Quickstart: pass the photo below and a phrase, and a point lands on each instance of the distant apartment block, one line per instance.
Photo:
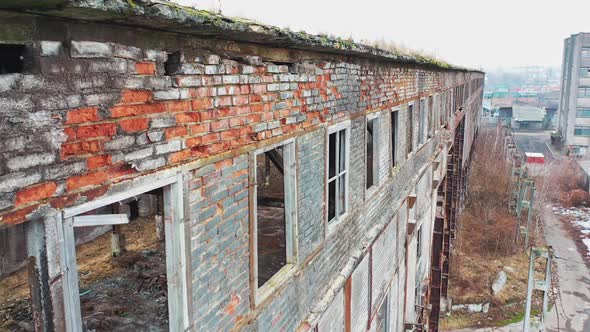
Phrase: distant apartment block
(574, 106)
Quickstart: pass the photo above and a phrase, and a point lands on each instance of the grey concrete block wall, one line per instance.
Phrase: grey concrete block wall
(202, 120)
(220, 243)
(357, 162)
(310, 191)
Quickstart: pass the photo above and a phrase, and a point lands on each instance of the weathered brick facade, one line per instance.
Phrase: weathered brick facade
(103, 105)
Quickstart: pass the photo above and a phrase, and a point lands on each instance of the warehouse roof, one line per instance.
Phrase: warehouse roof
(164, 15)
(528, 113)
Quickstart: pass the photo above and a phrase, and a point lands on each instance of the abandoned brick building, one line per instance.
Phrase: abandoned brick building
(164, 168)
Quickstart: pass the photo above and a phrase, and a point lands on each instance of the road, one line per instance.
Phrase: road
(572, 310)
(534, 141)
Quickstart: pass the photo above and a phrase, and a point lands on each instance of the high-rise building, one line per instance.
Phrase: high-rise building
(574, 105)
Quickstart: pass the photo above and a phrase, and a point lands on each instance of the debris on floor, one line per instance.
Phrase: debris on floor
(126, 293)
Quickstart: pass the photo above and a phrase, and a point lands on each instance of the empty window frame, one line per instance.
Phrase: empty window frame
(422, 122)
(338, 144)
(372, 151)
(430, 123)
(12, 58)
(581, 131)
(176, 248)
(583, 112)
(419, 243)
(584, 72)
(394, 137)
(410, 129)
(274, 214)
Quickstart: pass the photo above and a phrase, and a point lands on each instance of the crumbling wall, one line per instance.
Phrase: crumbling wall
(103, 104)
(90, 113)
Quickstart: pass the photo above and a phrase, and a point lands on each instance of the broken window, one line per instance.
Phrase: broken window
(394, 138)
(372, 156)
(275, 199)
(338, 171)
(410, 129)
(125, 267)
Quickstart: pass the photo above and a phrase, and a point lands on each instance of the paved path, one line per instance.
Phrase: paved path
(572, 312)
(534, 141)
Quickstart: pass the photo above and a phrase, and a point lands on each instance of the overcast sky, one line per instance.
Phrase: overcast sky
(490, 34)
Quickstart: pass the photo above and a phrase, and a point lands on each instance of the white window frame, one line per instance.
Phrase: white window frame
(177, 270)
(344, 125)
(376, 152)
(422, 122)
(394, 154)
(411, 125)
(290, 184)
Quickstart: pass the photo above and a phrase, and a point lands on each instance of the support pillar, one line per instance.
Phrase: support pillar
(41, 304)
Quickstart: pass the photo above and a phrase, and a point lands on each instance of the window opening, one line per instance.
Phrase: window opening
(11, 58)
(122, 267)
(337, 174)
(372, 159)
(270, 205)
(419, 243)
(121, 271)
(394, 138)
(410, 128)
(421, 120)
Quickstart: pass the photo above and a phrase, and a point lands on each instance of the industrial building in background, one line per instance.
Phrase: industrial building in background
(574, 105)
(165, 168)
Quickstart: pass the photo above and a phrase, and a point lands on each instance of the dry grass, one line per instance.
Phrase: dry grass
(564, 184)
(486, 244)
(95, 261)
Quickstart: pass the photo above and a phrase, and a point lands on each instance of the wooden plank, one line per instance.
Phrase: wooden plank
(157, 182)
(100, 220)
(290, 183)
(175, 256)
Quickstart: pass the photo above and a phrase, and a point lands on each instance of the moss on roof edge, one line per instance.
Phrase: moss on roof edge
(172, 17)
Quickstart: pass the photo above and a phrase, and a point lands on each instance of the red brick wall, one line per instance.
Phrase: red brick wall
(100, 113)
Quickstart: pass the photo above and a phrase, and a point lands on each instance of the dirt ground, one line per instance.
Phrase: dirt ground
(126, 293)
(474, 286)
